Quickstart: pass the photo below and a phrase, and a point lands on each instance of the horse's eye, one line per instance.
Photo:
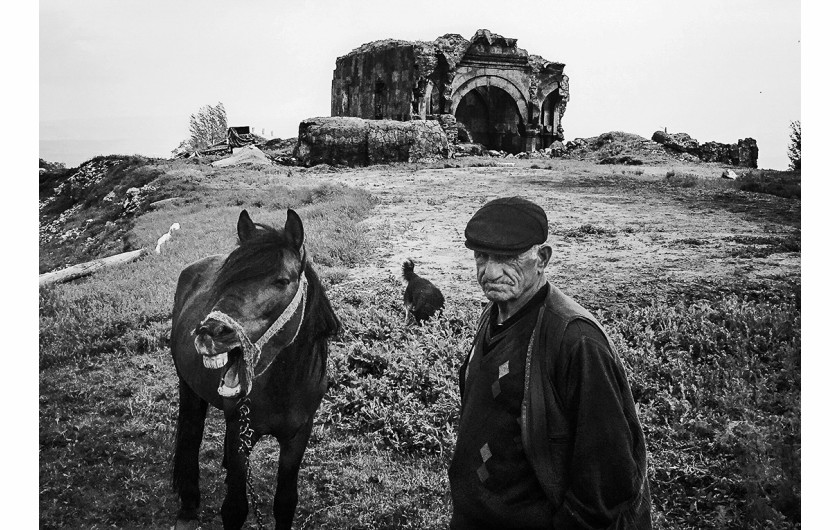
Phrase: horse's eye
(282, 282)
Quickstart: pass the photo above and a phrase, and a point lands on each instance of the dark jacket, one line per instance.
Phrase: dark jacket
(580, 431)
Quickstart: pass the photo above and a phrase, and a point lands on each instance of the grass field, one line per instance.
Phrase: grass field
(696, 280)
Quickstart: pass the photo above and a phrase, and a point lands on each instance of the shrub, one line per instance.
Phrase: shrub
(681, 180)
(208, 126)
(718, 390)
(795, 146)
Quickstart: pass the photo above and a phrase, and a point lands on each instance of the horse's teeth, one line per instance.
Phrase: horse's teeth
(228, 392)
(216, 361)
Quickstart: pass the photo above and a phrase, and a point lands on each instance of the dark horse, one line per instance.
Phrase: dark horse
(249, 336)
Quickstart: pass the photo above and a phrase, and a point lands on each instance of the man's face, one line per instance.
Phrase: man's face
(505, 278)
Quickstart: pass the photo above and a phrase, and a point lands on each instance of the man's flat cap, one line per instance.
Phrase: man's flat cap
(509, 225)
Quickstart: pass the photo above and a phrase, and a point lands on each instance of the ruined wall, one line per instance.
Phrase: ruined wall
(405, 80)
(357, 142)
(448, 124)
(741, 154)
(375, 81)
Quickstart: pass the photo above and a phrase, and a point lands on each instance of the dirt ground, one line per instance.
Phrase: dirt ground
(621, 225)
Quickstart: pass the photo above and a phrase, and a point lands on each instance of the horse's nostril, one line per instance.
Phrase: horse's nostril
(213, 328)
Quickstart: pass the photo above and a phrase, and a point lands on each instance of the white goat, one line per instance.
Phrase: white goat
(166, 237)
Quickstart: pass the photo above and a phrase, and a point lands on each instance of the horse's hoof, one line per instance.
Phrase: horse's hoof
(181, 524)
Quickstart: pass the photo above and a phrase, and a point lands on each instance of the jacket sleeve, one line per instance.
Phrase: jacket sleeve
(606, 460)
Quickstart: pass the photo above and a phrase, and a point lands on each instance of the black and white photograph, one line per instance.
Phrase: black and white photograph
(422, 265)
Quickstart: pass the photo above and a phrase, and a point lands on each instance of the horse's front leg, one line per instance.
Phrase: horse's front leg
(192, 410)
(235, 462)
(286, 495)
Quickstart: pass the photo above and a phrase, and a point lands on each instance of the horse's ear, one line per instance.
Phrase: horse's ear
(294, 229)
(245, 227)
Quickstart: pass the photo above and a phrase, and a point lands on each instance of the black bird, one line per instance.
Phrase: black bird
(421, 298)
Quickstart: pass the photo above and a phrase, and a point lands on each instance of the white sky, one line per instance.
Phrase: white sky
(123, 77)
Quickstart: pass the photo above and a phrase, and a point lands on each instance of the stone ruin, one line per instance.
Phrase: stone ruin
(400, 101)
(484, 90)
(504, 97)
(358, 142)
(741, 154)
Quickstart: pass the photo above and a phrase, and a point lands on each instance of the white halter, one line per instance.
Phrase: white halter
(298, 300)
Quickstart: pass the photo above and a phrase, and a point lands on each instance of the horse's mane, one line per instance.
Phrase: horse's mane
(260, 256)
(323, 321)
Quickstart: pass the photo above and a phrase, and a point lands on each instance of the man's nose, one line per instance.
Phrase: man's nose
(493, 270)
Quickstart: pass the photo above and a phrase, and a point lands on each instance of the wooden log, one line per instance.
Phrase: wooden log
(163, 202)
(85, 269)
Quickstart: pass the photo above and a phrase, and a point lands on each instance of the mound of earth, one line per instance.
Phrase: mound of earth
(613, 147)
(618, 147)
(87, 212)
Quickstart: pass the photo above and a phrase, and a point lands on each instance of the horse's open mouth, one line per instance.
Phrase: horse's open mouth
(233, 373)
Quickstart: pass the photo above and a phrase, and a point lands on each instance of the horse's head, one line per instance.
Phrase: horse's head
(258, 298)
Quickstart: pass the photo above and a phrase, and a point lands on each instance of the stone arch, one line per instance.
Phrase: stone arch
(490, 116)
(491, 80)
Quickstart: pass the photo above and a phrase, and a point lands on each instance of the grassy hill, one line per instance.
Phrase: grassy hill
(696, 279)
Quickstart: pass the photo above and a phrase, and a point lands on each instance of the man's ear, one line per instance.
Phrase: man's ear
(544, 256)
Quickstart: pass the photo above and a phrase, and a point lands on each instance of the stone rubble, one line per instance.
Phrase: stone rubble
(744, 153)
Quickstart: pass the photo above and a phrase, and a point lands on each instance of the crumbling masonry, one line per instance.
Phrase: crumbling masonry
(484, 90)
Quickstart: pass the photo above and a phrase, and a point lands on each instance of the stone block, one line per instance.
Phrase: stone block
(358, 142)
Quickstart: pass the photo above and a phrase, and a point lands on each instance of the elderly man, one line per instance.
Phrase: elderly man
(549, 436)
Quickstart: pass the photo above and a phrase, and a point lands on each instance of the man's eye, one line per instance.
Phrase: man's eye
(282, 282)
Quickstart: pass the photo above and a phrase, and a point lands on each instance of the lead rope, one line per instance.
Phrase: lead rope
(246, 433)
(246, 443)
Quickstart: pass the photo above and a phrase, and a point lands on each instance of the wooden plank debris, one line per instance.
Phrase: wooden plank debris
(85, 269)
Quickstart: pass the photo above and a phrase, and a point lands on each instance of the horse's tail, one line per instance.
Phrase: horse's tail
(408, 269)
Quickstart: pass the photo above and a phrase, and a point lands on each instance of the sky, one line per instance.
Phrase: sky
(124, 77)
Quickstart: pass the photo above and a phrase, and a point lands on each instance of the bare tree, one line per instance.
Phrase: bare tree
(795, 147)
(208, 126)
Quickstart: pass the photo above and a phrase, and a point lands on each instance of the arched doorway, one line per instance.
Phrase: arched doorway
(492, 117)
